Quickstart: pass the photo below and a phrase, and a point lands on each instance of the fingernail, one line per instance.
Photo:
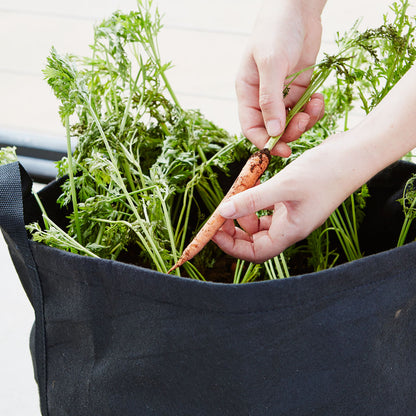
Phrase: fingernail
(302, 124)
(274, 127)
(227, 209)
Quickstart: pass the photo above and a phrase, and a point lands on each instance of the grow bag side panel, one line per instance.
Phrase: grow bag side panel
(384, 213)
(126, 340)
(15, 196)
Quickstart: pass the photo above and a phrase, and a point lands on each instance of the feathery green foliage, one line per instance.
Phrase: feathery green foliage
(146, 172)
(8, 155)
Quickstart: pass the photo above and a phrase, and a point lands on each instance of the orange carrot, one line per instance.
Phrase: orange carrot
(249, 175)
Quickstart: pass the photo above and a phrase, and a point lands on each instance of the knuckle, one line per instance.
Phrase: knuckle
(266, 100)
(264, 55)
(299, 233)
(239, 86)
(250, 203)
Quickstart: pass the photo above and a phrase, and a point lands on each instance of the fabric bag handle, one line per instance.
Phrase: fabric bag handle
(15, 187)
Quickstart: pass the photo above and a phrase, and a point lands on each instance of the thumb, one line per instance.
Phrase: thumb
(252, 200)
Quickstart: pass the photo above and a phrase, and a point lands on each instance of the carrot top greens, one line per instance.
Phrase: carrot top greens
(146, 173)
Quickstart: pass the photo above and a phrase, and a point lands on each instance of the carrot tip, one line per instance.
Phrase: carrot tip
(172, 268)
(251, 172)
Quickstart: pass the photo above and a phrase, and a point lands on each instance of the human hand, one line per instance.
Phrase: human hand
(302, 196)
(305, 192)
(285, 40)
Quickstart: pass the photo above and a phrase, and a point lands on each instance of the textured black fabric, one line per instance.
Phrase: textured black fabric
(123, 340)
(15, 195)
(381, 228)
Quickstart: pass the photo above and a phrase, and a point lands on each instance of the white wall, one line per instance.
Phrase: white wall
(204, 40)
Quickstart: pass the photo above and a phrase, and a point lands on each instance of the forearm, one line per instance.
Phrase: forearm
(316, 6)
(306, 8)
(381, 138)
(389, 131)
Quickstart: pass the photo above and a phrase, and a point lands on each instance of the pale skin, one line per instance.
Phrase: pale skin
(304, 194)
(274, 52)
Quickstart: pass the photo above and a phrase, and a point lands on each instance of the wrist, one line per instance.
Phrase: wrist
(387, 133)
(381, 138)
(349, 161)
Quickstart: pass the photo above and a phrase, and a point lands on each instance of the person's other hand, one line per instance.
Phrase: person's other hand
(301, 196)
(285, 40)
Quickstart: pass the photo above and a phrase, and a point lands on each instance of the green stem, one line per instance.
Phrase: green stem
(409, 217)
(315, 84)
(154, 54)
(127, 109)
(113, 161)
(71, 180)
(193, 272)
(214, 183)
(42, 208)
(187, 213)
(238, 271)
(270, 270)
(345, 238)
(249, 274)
(145, 238)
(130, 180)
(156, 251)
(284, 264)
(279, 268)
(69, 240)
(168, 224)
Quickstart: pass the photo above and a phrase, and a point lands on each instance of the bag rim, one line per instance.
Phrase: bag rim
(360, 275)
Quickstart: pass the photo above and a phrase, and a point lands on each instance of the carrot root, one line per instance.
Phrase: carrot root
(249, 175)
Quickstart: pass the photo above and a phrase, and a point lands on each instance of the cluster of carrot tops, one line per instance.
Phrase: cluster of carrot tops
(147, 174)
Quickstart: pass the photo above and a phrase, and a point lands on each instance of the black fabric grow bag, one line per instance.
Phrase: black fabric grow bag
(114, 339)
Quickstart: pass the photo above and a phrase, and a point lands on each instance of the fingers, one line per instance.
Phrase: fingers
(238, 243)
(303, 121)
(252, 224)
(260, 99)
(255, 199)
(297, 126)
(245, 249)
(257, 110)
(274, 235)
(315, 108)
(230, 229)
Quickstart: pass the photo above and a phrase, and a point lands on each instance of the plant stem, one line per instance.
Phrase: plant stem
(346, 233)
(316, 82)
(219, 194)
(42, 208)
(71, 180)
(168, 225)
(408, 219)
(70, 241)
(249, 274)
(284, 264)
(238, 270)
(127, 109)
(193, 272)
(270, 270)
